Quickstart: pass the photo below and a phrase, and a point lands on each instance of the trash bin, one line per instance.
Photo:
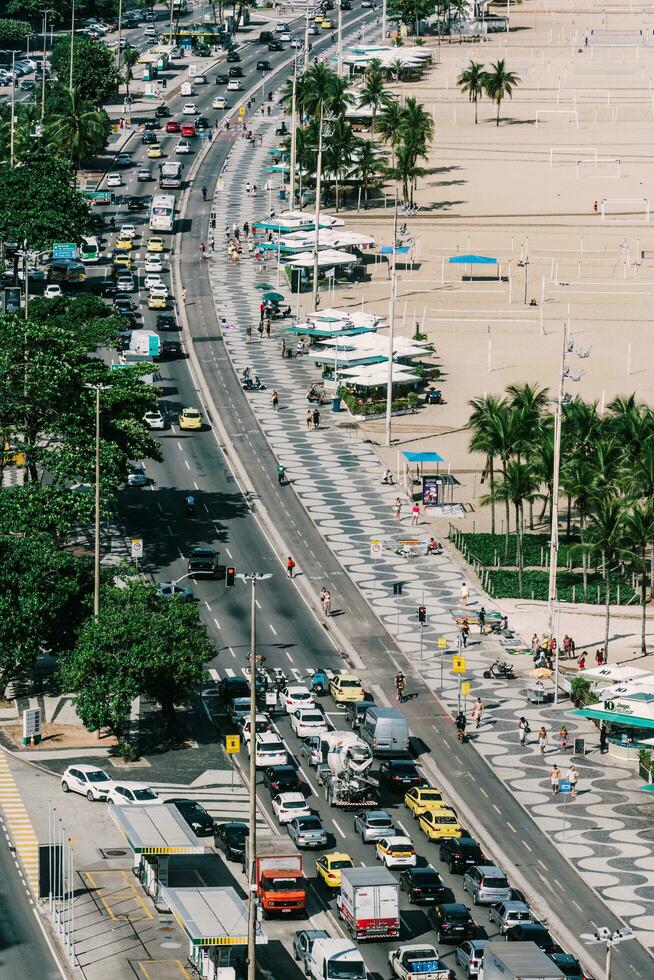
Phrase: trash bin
(336, 404)
(282, 195)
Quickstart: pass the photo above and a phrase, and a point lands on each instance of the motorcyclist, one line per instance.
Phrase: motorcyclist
(204, 193)
(189, 503)
(460, 722)
(281, 474)
(400, 684)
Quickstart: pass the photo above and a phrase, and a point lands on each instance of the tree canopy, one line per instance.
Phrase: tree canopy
(51, 210)
(95, 76)
(14, 31)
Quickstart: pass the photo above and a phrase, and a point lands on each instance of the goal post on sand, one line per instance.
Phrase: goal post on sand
(601, 164)
(573, 115)
(634, 210)
(567, 151)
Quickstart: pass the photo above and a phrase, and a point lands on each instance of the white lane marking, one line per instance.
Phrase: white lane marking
(228, 553)
(542, 865)
(510, 825)
(187, 465)
(527, 846)
(288, 655)
(207, 605)
(50, 946)
(274, 631)
(195, 486)
(230, 672)
(179, 446)
(297, 675)
(218, 626)
(215, 676)
(338, 828)
(496, 808)
(402, 827)
(307, 780)
(256, 602)
(232, 652)
(482, 790)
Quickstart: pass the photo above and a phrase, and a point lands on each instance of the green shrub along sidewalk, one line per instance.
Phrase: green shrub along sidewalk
(499, 575)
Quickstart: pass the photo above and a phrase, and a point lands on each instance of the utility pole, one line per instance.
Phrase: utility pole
(170, 39)
(384, 22)
(293, 134)
(120, 31)
(554, 530)
(339, 43)
(306, 40)
(45, 31)
(26, 279)
(13, 110)
(72, 47)
(97, 388)
(391, 330)
(314, 301)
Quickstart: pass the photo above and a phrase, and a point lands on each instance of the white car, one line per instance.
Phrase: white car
(285, 36)
(89, 781)
(154, 279)
(151, 32)
(269, 750)
(297, 42)
(183, 146)
(159, 291)
(396, 852)
(153, 263)
(132, 794)
(309, 721)
(127, 231)
(296, 696)
(53, 291)
(220, 102)
(261, 725)
(233, 85)
(288, 806)
(114, 180)
(137, 476)
(281, 26)
(154, 420)
(190, 109)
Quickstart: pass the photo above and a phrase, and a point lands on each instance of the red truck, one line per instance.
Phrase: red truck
(281, 885)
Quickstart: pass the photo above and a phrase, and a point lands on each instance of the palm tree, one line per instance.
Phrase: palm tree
(483, 439)
(78, 130)
(388, 125)
(578, 482)
(542, 456)
(472, 80)
(406, 170)
(605, 535)
(131, 57)
(639, 533)
(499, 83)
(368, 165)
(416, 133)
(373, 93)
(396, 67)
(519, 483)
(340, 150)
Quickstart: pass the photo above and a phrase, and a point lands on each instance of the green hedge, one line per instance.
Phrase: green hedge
(483, 547)
(504, 584)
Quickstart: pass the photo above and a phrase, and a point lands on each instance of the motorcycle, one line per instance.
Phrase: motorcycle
(279, 678)
(500, 670)
(253, 384)
(189, 506)
(319, 682)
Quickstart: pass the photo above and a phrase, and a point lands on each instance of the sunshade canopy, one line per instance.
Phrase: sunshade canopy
(471, 260)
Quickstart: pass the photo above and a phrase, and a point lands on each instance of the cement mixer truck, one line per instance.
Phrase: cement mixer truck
(345, 760)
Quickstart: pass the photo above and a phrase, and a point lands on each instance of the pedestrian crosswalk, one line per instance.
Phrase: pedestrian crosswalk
(18, 825)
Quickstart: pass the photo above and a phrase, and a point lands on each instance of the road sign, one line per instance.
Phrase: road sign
(31, 725)
(64, 250)
(241, 110)
(375, 548)
(458, 665)
(565, 786)
(441, 643)
(232, 744)
(137, 547)
(465, 688)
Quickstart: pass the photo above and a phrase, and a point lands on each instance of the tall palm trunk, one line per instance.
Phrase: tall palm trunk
(317, 221)
(584, 556)
(607, 607)
(518, 547)
(643, 600)
(491, 473)
(507, 513)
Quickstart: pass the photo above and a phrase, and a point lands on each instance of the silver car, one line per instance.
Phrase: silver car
(486, 884)
(307, 832)
(507, 914)
(470, 955)
(373, 825)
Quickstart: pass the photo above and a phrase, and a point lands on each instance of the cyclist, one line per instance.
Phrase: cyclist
(189, 503)
(204, 193)
(281, 474)
(460, 722)
(400, 684)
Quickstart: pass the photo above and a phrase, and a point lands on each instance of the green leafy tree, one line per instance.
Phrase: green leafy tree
(44, 595)
(519, 483)
(43, 509)
(33, 10)
(373, 94)
(368, 167)
(77, 130)
(605, 539)
(472, 80)
(340, 151)
(484, 427)
(639, 534)
(13, 32)
(387, 125)
(499, 83)
(416, 134)
(411, 12)
(131, 56)
(95, 76)
(51, 210)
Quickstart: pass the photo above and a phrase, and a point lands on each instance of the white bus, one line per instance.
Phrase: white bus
(89, 249)
(162, 212)
(170, 174)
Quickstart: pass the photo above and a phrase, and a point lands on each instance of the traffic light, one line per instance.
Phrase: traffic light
(230, 575)
(422, 614)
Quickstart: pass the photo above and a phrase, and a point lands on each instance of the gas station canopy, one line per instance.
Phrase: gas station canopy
(159, 829)
(211, 916)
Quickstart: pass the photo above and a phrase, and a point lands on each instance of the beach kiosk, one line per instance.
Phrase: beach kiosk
(215, 921)
(155, 834)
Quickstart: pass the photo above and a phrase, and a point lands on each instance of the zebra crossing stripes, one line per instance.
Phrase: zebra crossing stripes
(19, 826)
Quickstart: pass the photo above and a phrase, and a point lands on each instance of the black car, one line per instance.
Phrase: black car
(162, 112)
(460, 854)
(346, 5)
(230, 837)
(167, 321)
(236, 72)
(263, 66)
(275, 45)
(281, 779)
(234, 687)
(233, 55)
(265, 37)
(424, 886)
(532, 932)
(452, 922)
(172, 349)
(202, 561)
(122, 304)
(102, 288)
(355, 712)
(222, 79)
(152, 124)
(568, 965)
(149, 138)
(123, 160)
(400, 775)
(201, 123)
(135, 203)
(200, 822)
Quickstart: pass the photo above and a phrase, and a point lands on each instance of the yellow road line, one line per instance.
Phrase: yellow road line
(19, 824)
(87, 874)
(138, 898)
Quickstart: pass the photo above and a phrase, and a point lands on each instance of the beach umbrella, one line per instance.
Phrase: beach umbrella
(264, 285)
(539, 672)
(273, 297)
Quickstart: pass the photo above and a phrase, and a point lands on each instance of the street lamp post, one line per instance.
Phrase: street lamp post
(293, 134)
(306, 40)
(606, 937)
(314, 301)
(120, 31)
(383, 21)
(253, 578)
(339, 42)
(391, 331)
(525, 265)
(97, 388)
(13, 110)
(72, 47)
(45, 32)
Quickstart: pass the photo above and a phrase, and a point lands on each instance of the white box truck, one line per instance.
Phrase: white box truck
(517, 961)
(335, 959)
(369, 903)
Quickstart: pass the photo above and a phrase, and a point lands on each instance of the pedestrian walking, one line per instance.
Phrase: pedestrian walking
(542, 739)
(563, 738)
(262, 310)
(316, 418)
(212, 243)
(478, 712)
(290, 565)
(397, 508)
(260, 330)
(465, 632)
(555, 779)
(282, 347)
(246, 227)
(248, 333)
(323, 594)
(603, 739)
(328, 603)
(268, 328)
(572, 777)
(523, 731)
(482, 620)
(595, 207)
(415, 514)
(465, 595)
(309, 418)
(535, 644)
(184, 295)
(581, 663)
(274, 397)
(247, 187)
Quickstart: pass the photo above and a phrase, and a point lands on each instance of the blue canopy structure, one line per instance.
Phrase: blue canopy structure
(471, 260)
(399, 250)
(423, 457)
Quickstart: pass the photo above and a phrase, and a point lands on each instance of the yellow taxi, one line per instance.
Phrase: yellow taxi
(122, 261)
(157, 302)
(190, 418)
(436, 824)
(154, 151)
(124, 244)
(420, 799)
(155, 244)
(330, 868)
(327, 24)
(12, 456)
(396, 852)
(318, 18)
(346, 687)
